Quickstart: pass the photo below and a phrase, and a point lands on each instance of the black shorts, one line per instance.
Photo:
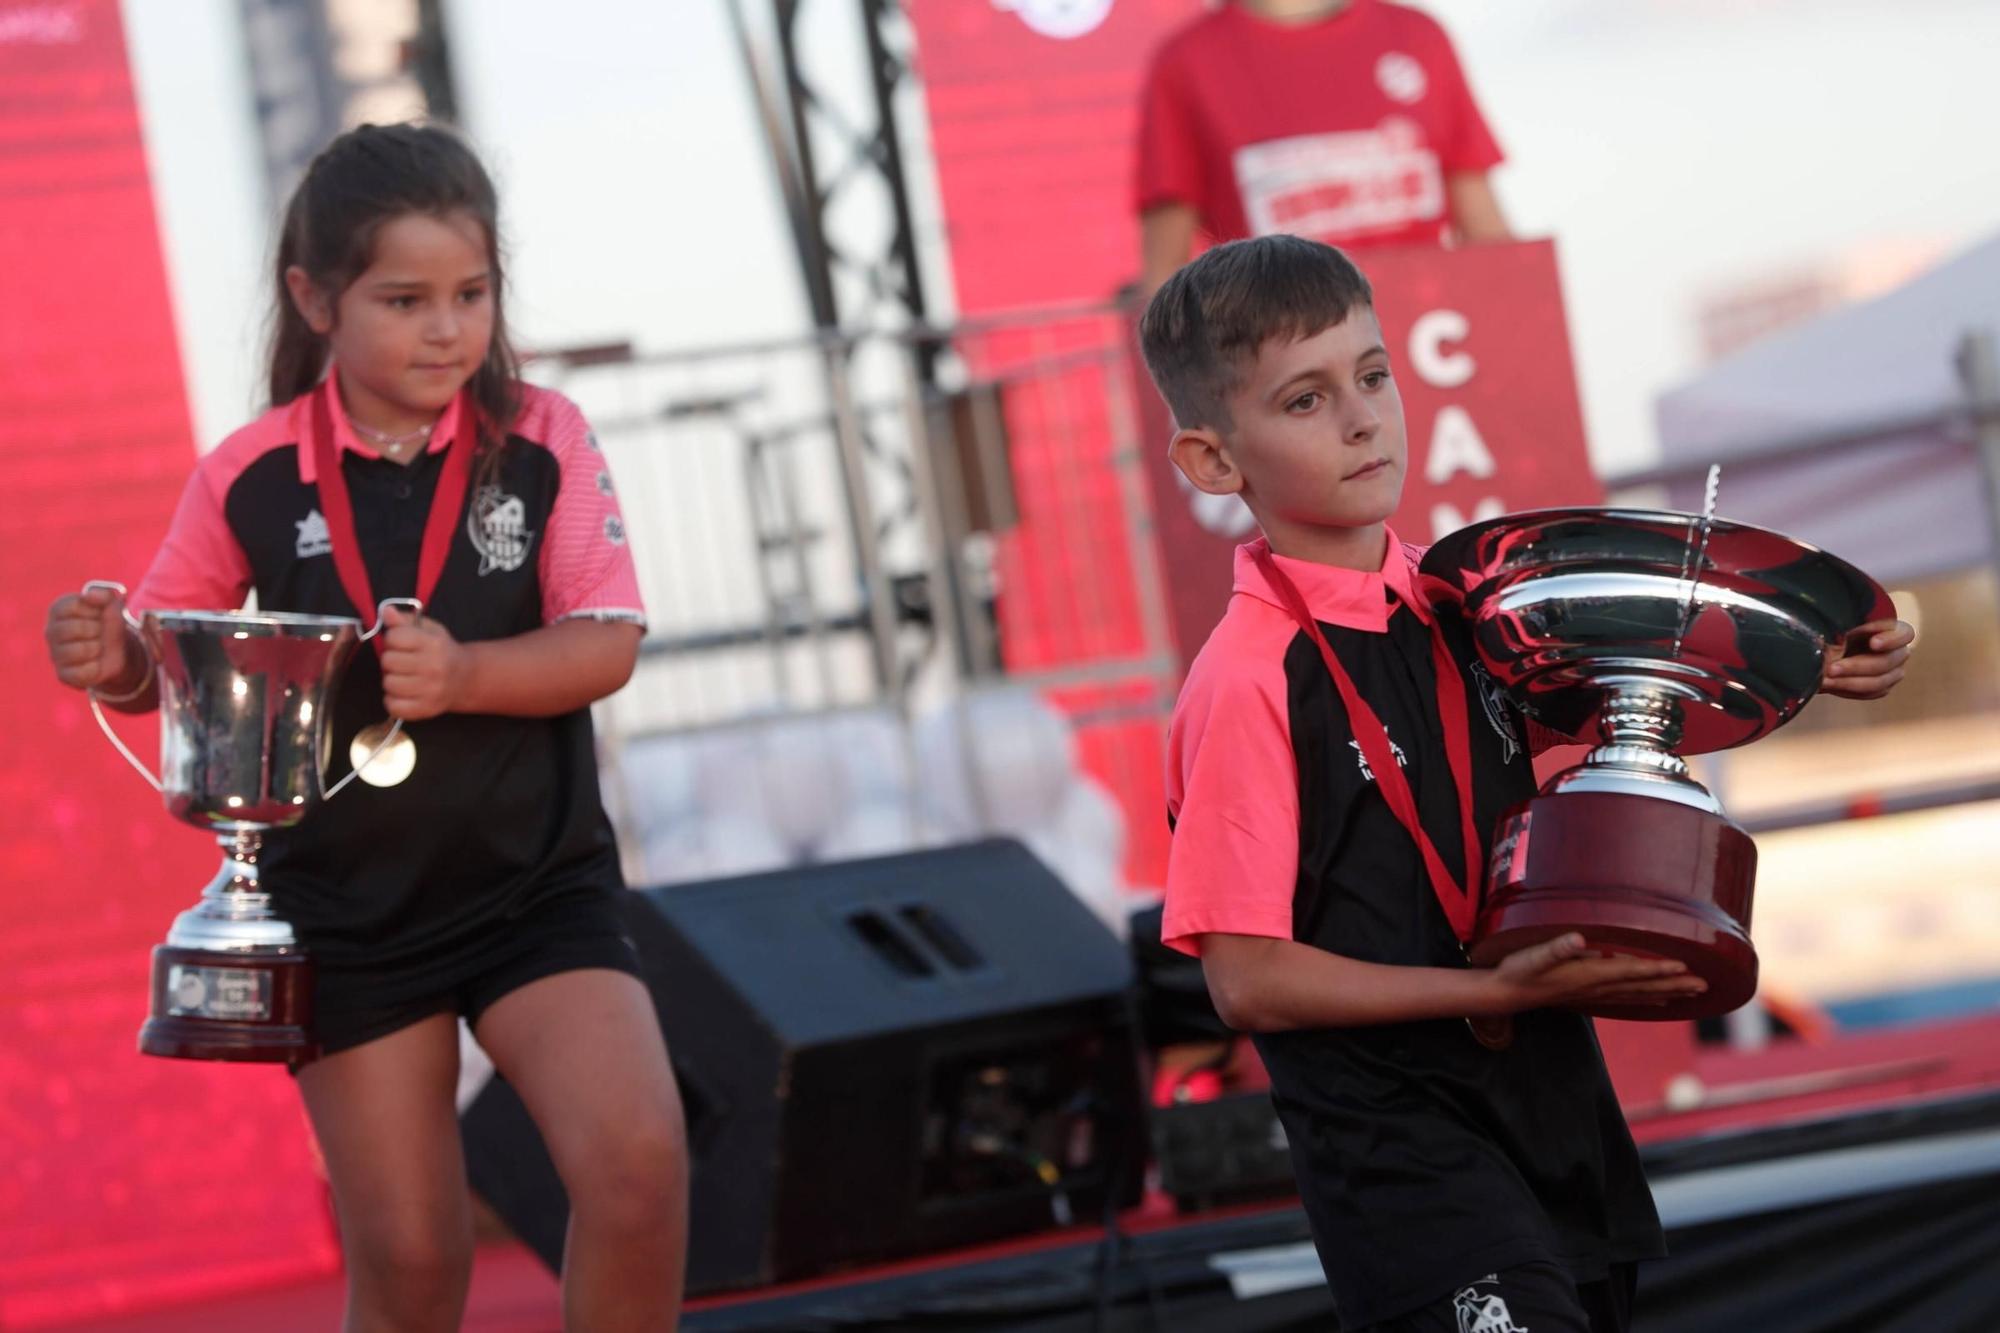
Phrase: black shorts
(345, 1016)
(1540, 1297)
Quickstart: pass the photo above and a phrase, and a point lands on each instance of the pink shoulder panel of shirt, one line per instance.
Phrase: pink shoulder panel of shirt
(200, 566)
(586, 558)
(1232, 784)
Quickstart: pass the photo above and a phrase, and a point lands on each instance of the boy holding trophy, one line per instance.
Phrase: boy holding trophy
(1337, 761)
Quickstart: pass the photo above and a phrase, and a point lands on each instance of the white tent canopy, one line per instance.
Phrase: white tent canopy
(1854, 432)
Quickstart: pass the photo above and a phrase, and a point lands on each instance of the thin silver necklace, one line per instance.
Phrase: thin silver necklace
(389, 443)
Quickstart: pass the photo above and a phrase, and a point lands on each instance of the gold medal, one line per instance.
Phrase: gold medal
(380, 759)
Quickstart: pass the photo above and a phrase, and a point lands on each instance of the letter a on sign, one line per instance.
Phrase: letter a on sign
(1455, 448)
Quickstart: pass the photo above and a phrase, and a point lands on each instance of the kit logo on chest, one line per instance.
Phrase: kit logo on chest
(1367, 773)
(497, 524)
(314, 539)
(1478, 1312)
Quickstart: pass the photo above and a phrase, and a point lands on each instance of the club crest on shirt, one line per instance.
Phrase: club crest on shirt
(1061, 19)
(1483, 1314)
(1499, 712)
(498, 526)
(1367, 773)
(1401, 78)
(314, 539)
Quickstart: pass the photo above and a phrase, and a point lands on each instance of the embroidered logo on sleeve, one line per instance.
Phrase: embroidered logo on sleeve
(498, 527)
(1484, 1314)
(314, 539)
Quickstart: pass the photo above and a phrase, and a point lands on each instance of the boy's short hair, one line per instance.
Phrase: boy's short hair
(1212, 316)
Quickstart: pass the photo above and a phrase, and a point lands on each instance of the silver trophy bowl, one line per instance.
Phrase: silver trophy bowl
(1653, 633)
(244, 702)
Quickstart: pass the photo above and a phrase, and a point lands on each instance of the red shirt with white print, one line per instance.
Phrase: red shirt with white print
(1342, 130)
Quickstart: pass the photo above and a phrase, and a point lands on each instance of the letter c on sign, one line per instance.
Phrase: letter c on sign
(1435, 364)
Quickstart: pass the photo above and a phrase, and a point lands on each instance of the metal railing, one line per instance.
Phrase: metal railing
(888, 523)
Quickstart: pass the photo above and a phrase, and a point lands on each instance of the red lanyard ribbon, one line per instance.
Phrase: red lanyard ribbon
(338, 506)
(1459, 901)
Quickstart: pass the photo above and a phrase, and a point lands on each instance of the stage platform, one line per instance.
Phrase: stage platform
(1896, 1200)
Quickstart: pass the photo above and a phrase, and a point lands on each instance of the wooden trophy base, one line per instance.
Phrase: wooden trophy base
(1636, 876)
(217, 1004)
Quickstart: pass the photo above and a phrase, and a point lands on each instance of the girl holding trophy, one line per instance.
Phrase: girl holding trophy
(472, 872)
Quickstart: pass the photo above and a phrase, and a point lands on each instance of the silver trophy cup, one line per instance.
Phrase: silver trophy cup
(244, 739)
(1654, 634)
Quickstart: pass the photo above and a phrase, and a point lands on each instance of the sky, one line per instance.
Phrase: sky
(1671, 147)
(1675, 146)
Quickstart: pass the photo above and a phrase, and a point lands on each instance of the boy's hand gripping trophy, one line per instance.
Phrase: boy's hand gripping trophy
(1658, 634)
(244, 703)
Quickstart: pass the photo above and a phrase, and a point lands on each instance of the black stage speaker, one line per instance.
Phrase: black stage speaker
(879, 1058)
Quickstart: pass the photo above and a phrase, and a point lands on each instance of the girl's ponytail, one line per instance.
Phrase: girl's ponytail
(298, 355)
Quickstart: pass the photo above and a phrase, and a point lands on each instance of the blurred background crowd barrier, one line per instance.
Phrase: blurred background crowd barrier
(901, 592)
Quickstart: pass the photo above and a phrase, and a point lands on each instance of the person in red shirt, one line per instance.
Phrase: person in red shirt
(1343, 121)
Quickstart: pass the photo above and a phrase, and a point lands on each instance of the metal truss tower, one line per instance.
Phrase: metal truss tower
(842, 165)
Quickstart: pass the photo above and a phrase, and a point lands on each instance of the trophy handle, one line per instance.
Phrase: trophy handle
(97, 710)
(415, 607)
(115, 586)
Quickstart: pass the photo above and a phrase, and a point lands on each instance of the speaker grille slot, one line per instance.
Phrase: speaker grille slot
(938, 932)
(888, 945)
